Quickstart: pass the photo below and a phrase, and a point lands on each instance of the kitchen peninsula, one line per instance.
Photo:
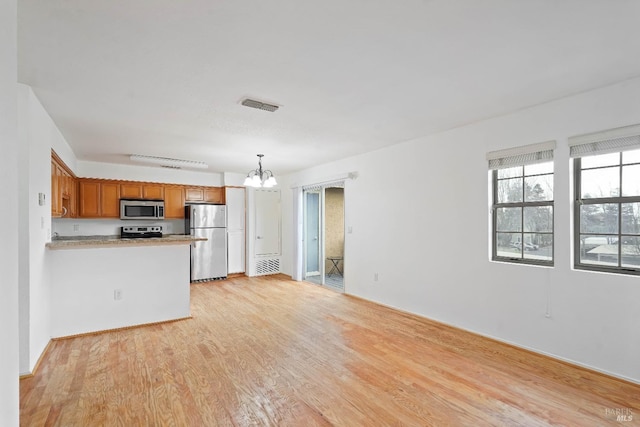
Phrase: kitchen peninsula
(104, 282)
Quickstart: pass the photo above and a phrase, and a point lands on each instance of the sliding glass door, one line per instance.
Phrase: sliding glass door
(324, 235)
(312, 234)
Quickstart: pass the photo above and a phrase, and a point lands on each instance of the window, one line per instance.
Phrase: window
(608, 212)
(607, 200)
(522, 206)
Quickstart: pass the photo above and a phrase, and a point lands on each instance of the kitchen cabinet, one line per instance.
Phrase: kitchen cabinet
(194, 194)
(56, 205)
(99, 199)
(140, 190)
(235, 251)
(236, 242)
(214, 195)
(110, 200)
(70, 198)
(204, 194)
(89, 198)
(131, 190)
(63, 192)
(173, 201)
(153, 191)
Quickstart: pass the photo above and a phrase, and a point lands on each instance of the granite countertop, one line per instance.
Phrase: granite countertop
(78, 242)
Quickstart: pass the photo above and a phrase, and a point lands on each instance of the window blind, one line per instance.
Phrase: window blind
(608, 141)
(523, 155)
(320, 186)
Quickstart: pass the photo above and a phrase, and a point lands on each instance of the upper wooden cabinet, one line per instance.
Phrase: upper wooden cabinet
(99, 199)
(140, 190)
(63, 189)
(205, 194)
(174, 201)
(89, 198)
(153, 191)
(194, 194)
(56, 205)
(131, 190)
(110, 200)
(214, 195)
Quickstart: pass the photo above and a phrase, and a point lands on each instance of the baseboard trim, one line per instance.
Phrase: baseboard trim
(124, 328)
(234, 275)
(551, 356)
(67, 337)
(37, 365)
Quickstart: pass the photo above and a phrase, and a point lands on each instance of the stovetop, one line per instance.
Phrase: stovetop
(136, 232)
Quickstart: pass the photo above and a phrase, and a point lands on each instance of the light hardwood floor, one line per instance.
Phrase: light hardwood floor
(270, 351)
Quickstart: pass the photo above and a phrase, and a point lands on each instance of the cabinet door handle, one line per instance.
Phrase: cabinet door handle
(258, 237)
(64, 211)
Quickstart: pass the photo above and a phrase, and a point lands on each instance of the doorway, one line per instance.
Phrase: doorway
(324, 235)
(312, 233)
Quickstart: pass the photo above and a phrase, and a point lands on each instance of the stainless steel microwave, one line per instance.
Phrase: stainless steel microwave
(141, 209)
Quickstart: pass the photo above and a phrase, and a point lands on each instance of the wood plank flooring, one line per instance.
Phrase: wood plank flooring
(270, 351)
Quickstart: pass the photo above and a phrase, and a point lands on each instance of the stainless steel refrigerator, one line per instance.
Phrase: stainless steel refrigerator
(208, 258)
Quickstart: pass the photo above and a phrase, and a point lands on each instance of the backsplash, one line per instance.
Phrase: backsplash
(109, 227)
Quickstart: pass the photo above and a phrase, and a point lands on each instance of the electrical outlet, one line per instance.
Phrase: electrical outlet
(349, 230)
(76, 227)
(375, 277)
(117, 294)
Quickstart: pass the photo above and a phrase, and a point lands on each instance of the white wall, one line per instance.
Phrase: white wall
(9, 355)
(234, 179)
(153, 280)
(429, 243)
(37, 135)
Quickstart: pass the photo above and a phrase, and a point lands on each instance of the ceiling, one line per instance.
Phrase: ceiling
(165, 78)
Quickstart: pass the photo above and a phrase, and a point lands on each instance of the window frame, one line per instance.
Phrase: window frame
(618, 200)
(523, 204)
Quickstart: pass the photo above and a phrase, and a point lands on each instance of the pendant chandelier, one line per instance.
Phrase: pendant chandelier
(259, 177)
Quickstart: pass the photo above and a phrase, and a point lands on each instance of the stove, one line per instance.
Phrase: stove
(133, 232)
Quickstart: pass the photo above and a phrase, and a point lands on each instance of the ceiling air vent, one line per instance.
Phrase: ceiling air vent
(259, 105)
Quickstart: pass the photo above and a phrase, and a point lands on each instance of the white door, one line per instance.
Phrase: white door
(267, 235)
